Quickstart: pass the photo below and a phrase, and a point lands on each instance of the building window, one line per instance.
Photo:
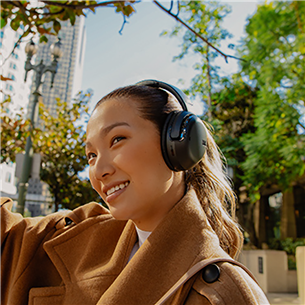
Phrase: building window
(12, 65)
(8, 177)
(12, 76)
(1, 34)
(9, 87)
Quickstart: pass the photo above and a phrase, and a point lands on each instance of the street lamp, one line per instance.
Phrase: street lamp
(40, 69)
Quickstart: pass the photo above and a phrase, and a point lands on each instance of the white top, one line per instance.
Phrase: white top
(142, 236)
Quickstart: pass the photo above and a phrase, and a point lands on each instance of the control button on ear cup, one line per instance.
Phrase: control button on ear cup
(177, 123)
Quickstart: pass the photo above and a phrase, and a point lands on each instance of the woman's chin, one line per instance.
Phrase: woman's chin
(118, 214)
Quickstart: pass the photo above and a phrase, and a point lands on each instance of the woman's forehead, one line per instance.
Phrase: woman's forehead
(113, 111)
(114, 107)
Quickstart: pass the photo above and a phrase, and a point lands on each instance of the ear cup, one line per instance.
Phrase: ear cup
(183, 140)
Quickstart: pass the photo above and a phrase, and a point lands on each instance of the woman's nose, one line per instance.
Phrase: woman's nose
(103, 168)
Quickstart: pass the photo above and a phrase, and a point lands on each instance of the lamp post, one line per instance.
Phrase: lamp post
(40, 69)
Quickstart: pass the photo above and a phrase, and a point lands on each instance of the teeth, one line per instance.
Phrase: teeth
(116, 188)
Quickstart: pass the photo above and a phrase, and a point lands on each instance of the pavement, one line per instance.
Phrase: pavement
(284, 298)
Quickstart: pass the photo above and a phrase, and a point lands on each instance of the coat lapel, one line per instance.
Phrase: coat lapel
(90, 256)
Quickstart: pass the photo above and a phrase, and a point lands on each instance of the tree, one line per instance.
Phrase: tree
(13, 132)
(205, 18)
(275, 61)
(61, 143)
(233, 116)
(44, 18)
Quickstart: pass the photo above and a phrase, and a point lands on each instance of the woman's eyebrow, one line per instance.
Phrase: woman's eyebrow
(107, 129)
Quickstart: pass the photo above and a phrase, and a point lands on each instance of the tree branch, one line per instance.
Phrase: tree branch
(15, 45)
(124, 22)
(196, 34)
(80, 6)
(21, 8)
(54, 13)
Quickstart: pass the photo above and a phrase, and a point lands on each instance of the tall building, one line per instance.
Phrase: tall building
(67, 83)
(12, 69)
(68, 78)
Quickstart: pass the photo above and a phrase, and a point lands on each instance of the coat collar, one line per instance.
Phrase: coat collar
(183, 238)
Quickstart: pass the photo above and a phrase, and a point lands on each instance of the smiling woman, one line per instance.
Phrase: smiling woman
(167, 237)
(127, 152)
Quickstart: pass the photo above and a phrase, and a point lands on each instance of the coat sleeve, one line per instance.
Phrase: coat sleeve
(234, 286)
(21, 241)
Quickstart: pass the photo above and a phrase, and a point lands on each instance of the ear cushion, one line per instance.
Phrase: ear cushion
(183, 140)
(164, 136)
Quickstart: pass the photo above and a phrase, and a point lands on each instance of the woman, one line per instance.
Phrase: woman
(168, 238)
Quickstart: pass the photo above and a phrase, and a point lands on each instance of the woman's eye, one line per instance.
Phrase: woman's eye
(116, 140)
(90, 156)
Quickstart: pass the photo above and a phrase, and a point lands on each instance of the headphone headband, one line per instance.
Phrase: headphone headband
(176, 92)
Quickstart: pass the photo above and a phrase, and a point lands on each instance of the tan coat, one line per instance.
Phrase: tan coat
(82, 258)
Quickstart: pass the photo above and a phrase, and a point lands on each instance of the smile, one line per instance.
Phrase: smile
(117, 188)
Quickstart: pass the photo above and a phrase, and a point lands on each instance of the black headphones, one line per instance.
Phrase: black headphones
(184, 136)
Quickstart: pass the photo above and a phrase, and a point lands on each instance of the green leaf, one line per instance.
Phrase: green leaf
(56, 26)
(43, 38)
(72, 16)
(3, 22)
(15, 23)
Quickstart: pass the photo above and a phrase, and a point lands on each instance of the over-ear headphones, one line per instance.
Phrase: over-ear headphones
(184, 136)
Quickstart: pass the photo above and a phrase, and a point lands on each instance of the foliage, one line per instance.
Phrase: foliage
(205, 18)
(62, 143)
(232, 112)
(288, 245)
(275, 61)
(13, 132)
(44, 19)
(74, 193)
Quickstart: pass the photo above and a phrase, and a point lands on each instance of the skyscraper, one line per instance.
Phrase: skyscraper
(70, 66)
(12, 67)
(15, 87)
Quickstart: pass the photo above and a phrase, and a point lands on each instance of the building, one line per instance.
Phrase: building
(12, 67)
(68, 78)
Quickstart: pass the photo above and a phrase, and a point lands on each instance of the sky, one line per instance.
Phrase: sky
(113, 60)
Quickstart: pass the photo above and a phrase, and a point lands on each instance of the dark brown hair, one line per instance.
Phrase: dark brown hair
(208, 177)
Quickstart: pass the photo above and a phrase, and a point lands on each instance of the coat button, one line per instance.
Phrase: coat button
(210, 273)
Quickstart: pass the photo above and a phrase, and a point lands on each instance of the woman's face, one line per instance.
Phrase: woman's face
(126, 165)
